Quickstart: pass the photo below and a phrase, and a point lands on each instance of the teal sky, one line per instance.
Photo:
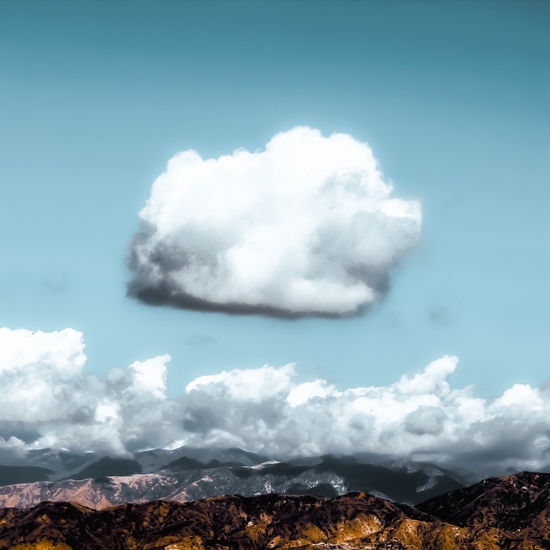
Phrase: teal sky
(452, 96)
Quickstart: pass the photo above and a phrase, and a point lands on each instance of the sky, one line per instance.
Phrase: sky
(440, 110)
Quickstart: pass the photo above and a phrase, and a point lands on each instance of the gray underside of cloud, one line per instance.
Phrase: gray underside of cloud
(163, 291)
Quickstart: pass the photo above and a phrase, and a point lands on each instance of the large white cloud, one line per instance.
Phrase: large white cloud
(63, 350)
(306, 226)
(34, 367)
(48, 400)
(419, 417)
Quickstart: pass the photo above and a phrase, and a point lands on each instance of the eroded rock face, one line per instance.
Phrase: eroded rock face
(354, 521)
(96, 493)
(518, 503)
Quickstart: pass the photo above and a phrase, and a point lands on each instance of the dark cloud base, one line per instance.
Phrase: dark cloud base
(164, 294)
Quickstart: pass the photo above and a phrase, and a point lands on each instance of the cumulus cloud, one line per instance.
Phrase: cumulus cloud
(49, 401)
(63, 351)
(419, 417)
(307, 226)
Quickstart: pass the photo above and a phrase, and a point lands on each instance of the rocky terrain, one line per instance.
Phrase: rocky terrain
(190, 474)
(173, 500)
(518, 503)
(354, 521)
(499, 513)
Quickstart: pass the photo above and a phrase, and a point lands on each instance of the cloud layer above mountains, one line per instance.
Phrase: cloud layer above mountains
(305, 227)
(48, 401)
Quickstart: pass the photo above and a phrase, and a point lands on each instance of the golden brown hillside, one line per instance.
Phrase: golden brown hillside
(270, 521)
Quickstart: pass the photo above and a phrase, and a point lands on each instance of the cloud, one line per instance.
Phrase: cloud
(150, 375)
(425, 420)
(255, 385)
(419, 417)
(49, 401)
(305, 227)
(62, 351)
(199, 339)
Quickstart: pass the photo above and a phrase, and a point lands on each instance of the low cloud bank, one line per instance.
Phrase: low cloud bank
(49, 401)
(305, 227)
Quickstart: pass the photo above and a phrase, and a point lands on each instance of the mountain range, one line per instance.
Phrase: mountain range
(188, 474)
(512, 512)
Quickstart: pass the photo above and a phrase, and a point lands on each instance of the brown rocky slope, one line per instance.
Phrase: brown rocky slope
(518, 503)
(353, 521)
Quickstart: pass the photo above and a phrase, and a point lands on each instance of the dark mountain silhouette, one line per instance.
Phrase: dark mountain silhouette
(108, 466)
(183, 473)
(108, 482)
(23, 474)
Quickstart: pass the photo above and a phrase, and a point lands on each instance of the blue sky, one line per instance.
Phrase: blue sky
(95, 97)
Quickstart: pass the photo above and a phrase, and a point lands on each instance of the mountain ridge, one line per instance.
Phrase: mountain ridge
(508, 513)
(328, 477)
